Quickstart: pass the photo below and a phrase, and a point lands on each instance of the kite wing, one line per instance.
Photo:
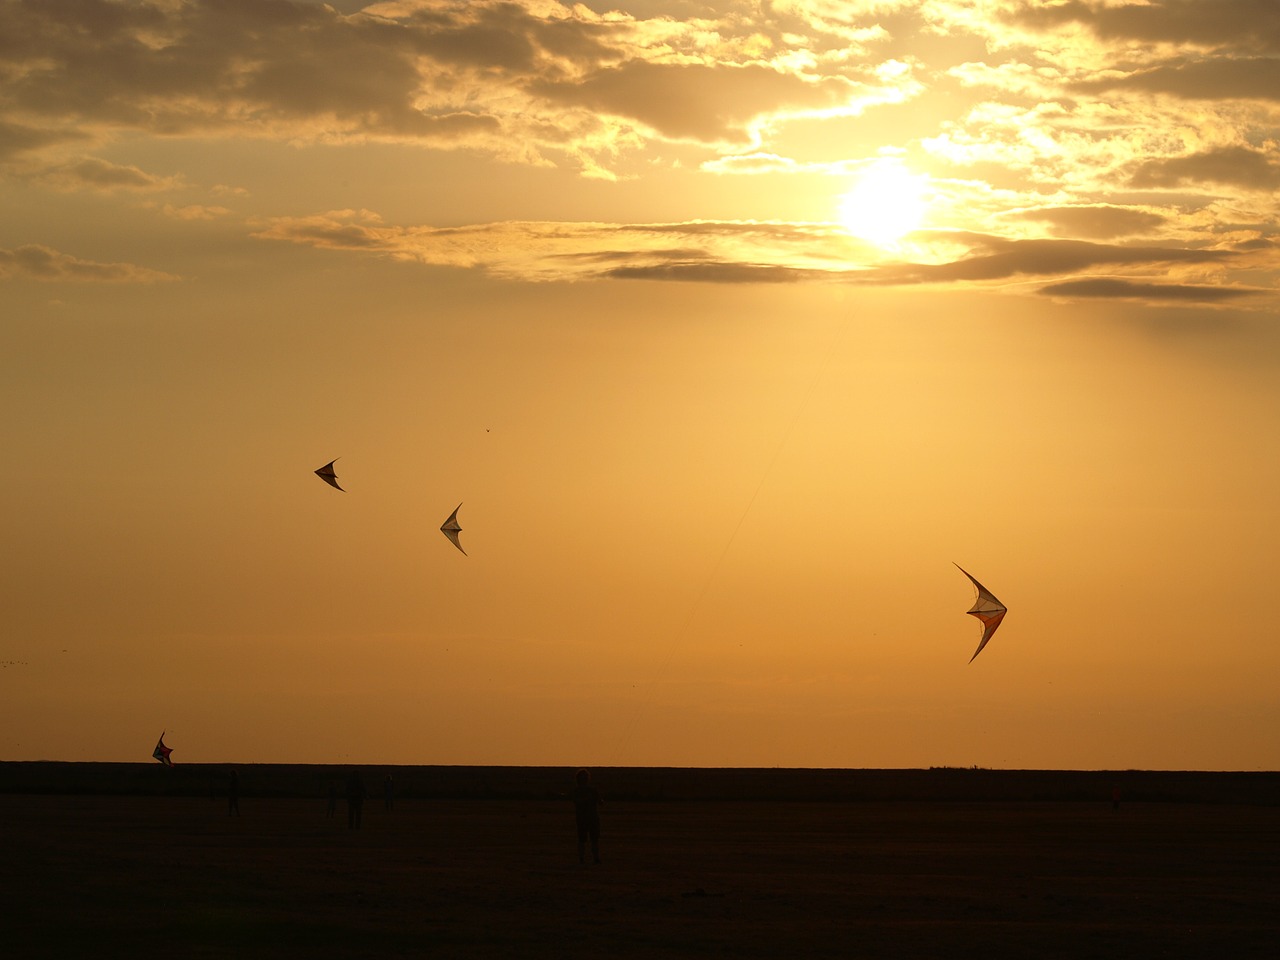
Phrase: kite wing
(987, 609)
(161, 752)
(451, 529)
(326, 474)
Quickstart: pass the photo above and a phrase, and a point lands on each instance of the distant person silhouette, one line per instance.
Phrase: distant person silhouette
(355, 800)
(233, 795)
(586, 810)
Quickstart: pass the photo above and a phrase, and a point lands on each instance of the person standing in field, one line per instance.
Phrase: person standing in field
(586, 809)
(355, 800)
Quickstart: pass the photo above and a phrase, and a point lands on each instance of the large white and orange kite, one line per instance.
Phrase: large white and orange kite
(987, 609)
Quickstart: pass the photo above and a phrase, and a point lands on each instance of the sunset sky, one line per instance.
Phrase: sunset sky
(732, 326)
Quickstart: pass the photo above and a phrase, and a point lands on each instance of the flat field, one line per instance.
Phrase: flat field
(149, 876)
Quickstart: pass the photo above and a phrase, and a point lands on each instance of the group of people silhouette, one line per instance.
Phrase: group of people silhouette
(585, 797)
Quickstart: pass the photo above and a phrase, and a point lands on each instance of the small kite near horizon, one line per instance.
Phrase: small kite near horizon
(161, 752)
(451, 529)
(326, 474)
(987, 609)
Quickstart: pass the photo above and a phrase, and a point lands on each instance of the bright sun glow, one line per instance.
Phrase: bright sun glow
(885, 205)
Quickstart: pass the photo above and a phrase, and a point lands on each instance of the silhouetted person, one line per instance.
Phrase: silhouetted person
(386, 792)
(586, 810)
(233, 795)
(355, 800)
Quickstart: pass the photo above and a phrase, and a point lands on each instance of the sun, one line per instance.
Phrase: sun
(885, 204)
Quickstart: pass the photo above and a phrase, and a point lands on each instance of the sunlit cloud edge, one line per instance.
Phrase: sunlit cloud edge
(789, 252)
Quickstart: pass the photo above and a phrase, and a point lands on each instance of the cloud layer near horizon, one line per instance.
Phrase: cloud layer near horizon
(732, 252)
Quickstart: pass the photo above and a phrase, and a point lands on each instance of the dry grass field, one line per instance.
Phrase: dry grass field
(92, 875)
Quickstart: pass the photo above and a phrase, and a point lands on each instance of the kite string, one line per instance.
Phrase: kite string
(660, 670)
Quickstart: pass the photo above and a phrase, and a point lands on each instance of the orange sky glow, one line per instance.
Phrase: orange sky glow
(733, 327)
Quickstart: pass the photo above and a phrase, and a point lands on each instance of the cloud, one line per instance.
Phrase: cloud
(777, 252)
(194, 211)
(750, 164)
(522, 79)
(1211, 79)
(279, 70)
(756, 163)
(544, 82)
(37, 262)
(556, 251)
(1063, 108)
(698, 272)
(701, 102)
(185, 67)
(1080, 94)
(91, 173)
(992, 259)
(1094, 221)
(1226, 25)
(1235, 166)
(1264, 244)
(17, 138)
(1112, 288)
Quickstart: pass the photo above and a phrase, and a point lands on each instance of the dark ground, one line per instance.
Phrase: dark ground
(94, 875)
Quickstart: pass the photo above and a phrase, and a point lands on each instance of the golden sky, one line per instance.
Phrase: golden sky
(732, 326)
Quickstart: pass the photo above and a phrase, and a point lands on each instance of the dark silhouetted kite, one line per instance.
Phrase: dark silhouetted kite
(451, 529)
(987, 609)
(326, 474)
(161, 752)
